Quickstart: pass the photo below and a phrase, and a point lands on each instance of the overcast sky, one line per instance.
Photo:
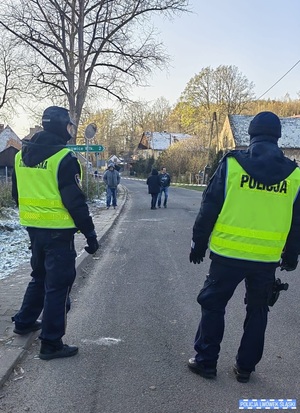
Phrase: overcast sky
(260, 37)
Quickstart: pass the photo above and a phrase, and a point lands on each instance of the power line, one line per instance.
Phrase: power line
(279, 80)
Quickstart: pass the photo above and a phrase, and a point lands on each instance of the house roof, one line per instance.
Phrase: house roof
(32, 131)
(290, 131)
(114, 159)
(161, 140)
(9, 138)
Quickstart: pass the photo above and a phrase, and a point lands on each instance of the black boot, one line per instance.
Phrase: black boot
(242, 376)
(56, 350)
(34, 327)
(208, 372)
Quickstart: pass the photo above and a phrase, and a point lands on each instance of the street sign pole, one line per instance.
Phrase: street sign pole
(90, 132)
(96, 176)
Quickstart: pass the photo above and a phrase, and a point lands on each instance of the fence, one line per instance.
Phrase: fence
(190, 179)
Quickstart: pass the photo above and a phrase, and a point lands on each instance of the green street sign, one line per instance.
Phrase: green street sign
(84, 148)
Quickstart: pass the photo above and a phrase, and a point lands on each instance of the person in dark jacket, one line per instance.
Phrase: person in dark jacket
(250, 219)
(153, 183)
(46, 186)
(165, 182)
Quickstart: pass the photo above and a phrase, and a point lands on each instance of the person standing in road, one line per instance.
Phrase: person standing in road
(250, 218)
(165, 182)
(153, 183)
(111, 179)
(46, 187)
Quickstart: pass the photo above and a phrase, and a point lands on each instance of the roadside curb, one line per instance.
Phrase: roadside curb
(14, 347)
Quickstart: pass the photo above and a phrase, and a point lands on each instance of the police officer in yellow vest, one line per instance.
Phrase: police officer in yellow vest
(46, 187)
(250, 220)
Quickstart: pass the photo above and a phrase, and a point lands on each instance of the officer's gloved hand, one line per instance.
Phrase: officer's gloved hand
(92, 242)
(197, 252)
(288, 262)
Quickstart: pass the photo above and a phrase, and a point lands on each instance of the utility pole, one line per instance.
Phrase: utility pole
(211, 135)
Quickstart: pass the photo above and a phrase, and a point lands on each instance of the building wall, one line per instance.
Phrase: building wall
(148, 153)
(225, 141)
(293, 154)
(7, 157)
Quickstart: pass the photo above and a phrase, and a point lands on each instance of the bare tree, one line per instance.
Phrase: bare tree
(211, 95)
(75, 46)
(231, 90)
(10, 78)
(142, 116)
(148, 116)
(224, 90)
(138, 114)
(161, 111)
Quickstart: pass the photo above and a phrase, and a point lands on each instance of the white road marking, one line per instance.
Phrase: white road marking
(103, 341)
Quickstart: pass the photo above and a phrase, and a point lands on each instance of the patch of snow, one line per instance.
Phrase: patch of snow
(14, 239)
(14, 242)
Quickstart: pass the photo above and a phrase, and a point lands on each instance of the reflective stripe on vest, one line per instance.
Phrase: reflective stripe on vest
(255, 227)
(40, 204)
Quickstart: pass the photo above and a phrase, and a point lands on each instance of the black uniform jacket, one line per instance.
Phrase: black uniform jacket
(43, 145)
(264, 162)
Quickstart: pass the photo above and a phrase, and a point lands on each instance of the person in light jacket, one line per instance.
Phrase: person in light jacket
(111, 179)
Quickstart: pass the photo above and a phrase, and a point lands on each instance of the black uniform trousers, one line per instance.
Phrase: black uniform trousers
(53, 273)
(218, 288)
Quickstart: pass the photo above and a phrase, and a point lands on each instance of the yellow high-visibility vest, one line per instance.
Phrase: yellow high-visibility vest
(40, 203)
(255, 219)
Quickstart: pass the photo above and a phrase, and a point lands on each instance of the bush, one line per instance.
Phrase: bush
(143, 167)
(94, 188)
(6, 199)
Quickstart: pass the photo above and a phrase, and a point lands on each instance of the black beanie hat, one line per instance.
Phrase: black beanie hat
(56, 119)
(265, 124)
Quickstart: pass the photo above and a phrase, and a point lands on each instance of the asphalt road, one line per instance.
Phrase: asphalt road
(135, 317)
